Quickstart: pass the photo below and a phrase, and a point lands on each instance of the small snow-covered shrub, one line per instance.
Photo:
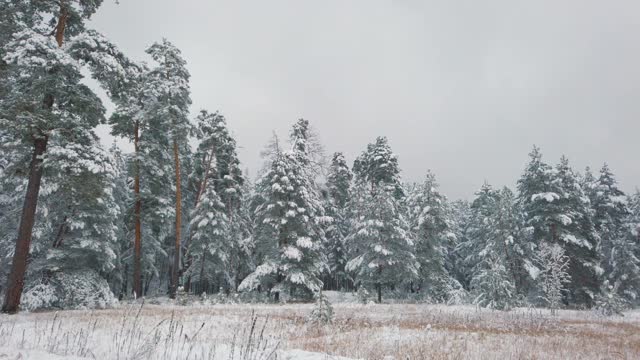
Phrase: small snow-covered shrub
(182, 298)
(609, 302)
(458, 296)
(493, 286)
(40, 296)
(554, 276)
(84, 289)
(364, 296)
(322, 312)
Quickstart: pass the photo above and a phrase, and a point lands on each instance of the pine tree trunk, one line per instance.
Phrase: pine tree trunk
(15, 281)
(137, 258)
(176, 255)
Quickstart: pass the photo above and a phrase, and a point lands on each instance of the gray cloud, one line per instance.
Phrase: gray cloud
(460, 87)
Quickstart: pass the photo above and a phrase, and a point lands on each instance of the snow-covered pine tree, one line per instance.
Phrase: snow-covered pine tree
(81, 209)
(322, 313)
(381, 248)
(431, 225)
(168, 93)
(554, 274)
(380, 243)
(379, 165)
(455, 261)
(291, 223)
(338, 196)
(617, 242)
(557, 210)
(211, 248)
(123, 81)
(536, 200)
(76, 234)
(572, 227)
(588, 183)
(493, 284)
(490, 248)
(510, 235)
(47, 99)
(216, 168)
(480, 227)
(610, 206)
(123, 198)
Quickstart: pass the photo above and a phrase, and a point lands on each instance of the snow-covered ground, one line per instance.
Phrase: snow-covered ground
(255, 331)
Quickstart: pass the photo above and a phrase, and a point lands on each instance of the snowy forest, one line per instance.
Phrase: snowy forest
(161, 245)
(84, 226)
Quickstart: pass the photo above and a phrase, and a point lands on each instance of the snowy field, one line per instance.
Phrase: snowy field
(260, 332)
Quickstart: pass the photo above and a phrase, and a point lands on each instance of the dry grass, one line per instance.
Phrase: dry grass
(433, 332)
(367, 332)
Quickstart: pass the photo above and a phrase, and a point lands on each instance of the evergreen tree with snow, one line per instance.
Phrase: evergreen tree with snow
(380, 243)
(379, 165)
(617, 241)
(557, 210)
(338, 187)
(431, 225)
(491, 248)
(211, 248)
(219, 182)
(291, 223)
(459, 251)
(119, 280)
(573, 228)
(493, 284)
(322, 313)
(536, 196)
(381, 246)
(554, 274)
(168, 96)
(47, 102)
(82, 210)
(481, 226)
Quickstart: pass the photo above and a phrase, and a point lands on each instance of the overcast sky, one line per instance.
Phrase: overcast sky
(464, 88)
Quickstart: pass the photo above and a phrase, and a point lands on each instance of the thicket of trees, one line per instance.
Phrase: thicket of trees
(74, 215)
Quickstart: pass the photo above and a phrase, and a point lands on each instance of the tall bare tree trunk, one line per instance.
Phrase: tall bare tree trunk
(137, 258)
(176, 255)
(15, 281)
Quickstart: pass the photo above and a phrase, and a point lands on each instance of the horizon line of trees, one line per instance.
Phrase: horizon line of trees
(80, 223)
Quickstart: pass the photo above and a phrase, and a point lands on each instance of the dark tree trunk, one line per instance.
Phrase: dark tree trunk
(62, 230)
(137, 257)
(276, 295)
(15, 281)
